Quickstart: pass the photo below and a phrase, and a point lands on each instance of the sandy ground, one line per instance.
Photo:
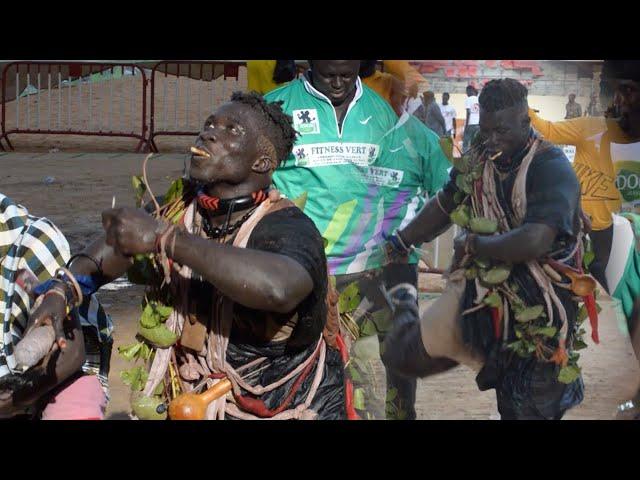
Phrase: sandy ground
(85, 183)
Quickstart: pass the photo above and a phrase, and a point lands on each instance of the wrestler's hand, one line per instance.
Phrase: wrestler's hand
(393, 251)
(52, 311)
(460, 258)
(130, 231)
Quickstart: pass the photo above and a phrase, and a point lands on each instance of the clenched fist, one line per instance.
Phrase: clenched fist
(131, 231)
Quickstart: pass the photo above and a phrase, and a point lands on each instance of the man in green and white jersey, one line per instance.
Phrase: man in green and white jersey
(365, 173)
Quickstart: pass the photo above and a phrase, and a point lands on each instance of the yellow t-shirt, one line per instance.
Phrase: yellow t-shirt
(596, 172)
(260, 76)
(382, 83)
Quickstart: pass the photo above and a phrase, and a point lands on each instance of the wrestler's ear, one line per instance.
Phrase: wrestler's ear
(263, 164)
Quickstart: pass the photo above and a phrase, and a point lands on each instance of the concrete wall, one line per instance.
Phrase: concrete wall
(551, 107)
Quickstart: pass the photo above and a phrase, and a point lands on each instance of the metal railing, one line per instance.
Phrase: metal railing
(183, 93)
(74, 98)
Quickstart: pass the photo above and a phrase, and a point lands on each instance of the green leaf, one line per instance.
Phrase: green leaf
(131, 375)
(159, 389)
(465, 182)
(529, 313)
(582, 314)
(135, 377)
(159, 336)
(358, 399)
(461, 164)
(578, 344)
(368, 328)
(154, 314)
(544, 331)
(493, 300)
(138, 188)
(301, 201)
(471, 273)
(355, 374)
(163, 310)
(458, 197)
(460, 216)
(349, 298)
(482, 262)
(496, 275)
(175, 191)
(588, 259)
(515, 346)
(145, 352)
(130, 351)
(149, 318)
(160, 310)
(140, 381)
(477, 170)
(485, 226)
(568, 374)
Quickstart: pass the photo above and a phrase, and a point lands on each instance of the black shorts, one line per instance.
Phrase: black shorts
(527, 389)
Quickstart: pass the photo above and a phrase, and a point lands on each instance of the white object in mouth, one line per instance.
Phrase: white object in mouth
(199, 152)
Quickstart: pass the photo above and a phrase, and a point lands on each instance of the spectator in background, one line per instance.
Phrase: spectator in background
(266, 75)
(472, 123)
(449, 114)
(388, 86)
(593, 109)
(412, 102)
(574, 110)
(429, 113)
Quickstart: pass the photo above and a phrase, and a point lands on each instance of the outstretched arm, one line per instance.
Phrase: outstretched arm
(253, 278)
(256, 279)
(568, 132)
(431, 221)
(527, 242)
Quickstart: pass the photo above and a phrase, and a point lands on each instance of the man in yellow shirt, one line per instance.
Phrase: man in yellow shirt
(266, 75)
(594, 139)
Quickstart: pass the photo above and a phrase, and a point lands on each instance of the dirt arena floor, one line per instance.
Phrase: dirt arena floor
(73, 188)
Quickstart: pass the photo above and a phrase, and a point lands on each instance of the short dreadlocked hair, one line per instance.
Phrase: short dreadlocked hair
(502, 93)
(278, 127)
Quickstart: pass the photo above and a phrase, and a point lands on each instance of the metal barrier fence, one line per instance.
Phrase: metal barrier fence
(184, 93)
(74, 98)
